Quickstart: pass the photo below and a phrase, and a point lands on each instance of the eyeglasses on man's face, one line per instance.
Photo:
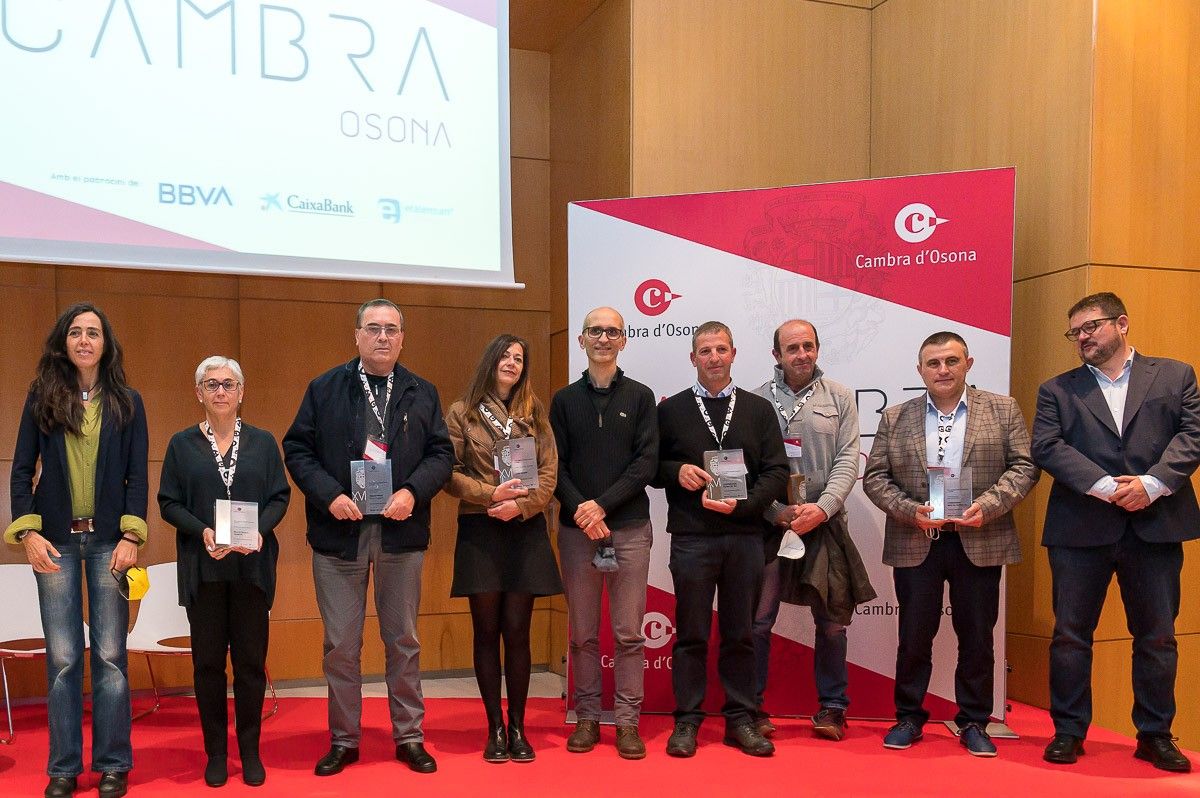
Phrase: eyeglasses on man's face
(212, 386)
(611, 333)
(376, 330)
(1087, 328)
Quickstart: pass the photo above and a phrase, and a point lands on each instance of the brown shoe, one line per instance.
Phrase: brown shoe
(629, 745)
(830, 723)
(585, 736)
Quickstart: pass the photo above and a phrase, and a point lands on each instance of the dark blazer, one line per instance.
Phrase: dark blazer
(329, 432)
(121, 486)
(995, 446)
(187, 494)
(1076, 441)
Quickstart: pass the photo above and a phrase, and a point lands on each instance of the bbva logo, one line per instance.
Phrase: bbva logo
(187, 194)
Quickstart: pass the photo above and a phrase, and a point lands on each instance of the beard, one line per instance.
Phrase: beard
(1100, 353)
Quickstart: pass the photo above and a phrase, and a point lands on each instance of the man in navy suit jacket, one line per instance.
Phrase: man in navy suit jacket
(1121, 436)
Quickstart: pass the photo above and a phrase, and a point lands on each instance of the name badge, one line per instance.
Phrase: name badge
(375, 449)
(371, 485)
(792, 447)
(728, 468)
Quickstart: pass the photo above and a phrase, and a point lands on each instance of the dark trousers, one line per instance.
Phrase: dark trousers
(729, 566)
(974, 609)
(1148, 575)
(231, 616)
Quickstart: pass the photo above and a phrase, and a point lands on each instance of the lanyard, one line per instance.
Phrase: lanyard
(362, 375)
(505, 430)
(226, 473)
(945, 427)
(708, 421)
(787, 419)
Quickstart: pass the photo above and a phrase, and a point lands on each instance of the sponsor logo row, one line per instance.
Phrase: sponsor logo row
(387, 209)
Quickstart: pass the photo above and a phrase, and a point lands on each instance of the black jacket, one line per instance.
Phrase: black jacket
(121, 487)
(329, 432)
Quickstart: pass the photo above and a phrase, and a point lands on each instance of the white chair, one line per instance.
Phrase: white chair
(160, 626)
(20, 626)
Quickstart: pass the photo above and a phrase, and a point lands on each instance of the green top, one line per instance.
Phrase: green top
(82, 452)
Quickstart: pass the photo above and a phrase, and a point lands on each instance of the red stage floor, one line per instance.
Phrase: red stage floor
(169, 761)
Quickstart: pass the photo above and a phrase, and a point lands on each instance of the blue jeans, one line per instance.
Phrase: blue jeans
(829, 646)
(60, 596)
(1148, 575)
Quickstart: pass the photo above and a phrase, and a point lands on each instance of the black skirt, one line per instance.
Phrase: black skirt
(509, 556)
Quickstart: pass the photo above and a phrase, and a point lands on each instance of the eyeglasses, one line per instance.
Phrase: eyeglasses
(1088, 327)
(211, 386)
(375, 330)
(611, 333)
(122, 582)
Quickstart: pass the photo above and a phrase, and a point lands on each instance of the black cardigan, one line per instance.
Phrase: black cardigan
(189, 487)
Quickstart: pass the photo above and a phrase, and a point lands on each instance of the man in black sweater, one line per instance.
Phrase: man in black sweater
(606, 429)
(716, 544)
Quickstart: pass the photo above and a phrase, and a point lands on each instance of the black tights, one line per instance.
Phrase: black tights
(497, 615)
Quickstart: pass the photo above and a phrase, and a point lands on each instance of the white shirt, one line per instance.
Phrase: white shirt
(958, 432)
(1115, 393)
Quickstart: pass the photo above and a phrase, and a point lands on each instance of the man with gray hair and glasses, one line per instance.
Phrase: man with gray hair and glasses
(369, 450)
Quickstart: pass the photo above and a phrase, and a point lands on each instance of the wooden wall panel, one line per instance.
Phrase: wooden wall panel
(1145, 176)
(27, 275)
(967, 85)
(589, 128)
(782, 97)
(29, 314)
(529, 100)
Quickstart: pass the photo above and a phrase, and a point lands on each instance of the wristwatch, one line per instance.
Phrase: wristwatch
(24, 533)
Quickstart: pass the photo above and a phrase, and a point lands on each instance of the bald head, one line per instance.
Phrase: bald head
(602, 338)
(604, 317)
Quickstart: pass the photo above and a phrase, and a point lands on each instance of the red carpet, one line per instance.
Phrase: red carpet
(169, 761)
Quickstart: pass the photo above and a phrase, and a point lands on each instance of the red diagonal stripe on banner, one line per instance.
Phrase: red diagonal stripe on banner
(25, 213)
(846, 234)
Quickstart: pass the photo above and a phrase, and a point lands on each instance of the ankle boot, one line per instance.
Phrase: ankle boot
(519, 749)
(496, 749)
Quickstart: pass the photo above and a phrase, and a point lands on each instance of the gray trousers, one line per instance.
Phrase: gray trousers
(627, 605)
(342, 600)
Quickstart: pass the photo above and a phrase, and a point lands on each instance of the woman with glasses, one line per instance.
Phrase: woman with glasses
(502, 559)
(83, 522)
(221, 478)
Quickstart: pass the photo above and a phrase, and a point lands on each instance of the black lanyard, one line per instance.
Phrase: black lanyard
(362, 375)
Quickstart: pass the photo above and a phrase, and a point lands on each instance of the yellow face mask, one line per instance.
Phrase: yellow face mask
(134, 583)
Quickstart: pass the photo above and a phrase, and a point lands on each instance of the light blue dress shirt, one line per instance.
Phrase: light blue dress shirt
(1115, 393)
(958, 432)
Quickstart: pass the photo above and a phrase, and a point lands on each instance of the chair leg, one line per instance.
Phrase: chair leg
(12, 735)
(274, 697)
(154, 685)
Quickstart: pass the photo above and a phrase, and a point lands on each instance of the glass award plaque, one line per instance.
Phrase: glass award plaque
(236, 524)
(516, 459)
(728, 469)
(950, 492)
(372, 485)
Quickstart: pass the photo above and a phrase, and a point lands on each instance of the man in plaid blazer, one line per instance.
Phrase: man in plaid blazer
(955, 427)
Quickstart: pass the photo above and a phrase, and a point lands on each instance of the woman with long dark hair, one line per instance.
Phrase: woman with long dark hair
(82, 524)
(502, 559)
(227, 587)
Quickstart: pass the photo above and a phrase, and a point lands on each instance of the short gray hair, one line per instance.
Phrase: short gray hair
(377, 303)
(216, 362)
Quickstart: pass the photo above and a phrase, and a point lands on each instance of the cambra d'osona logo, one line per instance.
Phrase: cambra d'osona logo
(653, 297)
(657, 629)
(916, 222)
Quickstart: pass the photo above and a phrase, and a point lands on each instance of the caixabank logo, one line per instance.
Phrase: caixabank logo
(653, 297)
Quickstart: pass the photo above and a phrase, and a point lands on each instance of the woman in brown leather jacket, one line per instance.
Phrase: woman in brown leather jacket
(502, 559)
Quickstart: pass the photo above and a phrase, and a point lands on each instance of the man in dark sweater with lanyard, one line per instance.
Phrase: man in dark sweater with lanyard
(606, 429)
(717, 544)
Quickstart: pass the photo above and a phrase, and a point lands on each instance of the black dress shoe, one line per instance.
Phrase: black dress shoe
(519, 749)
(1064, 749)
(333, 762)
(216, 773)
(496, 750)
(61, 786)
(1162, 752)
(682, 741)
(747, 738)
(114, 784)
(416, 757)
(253, 772)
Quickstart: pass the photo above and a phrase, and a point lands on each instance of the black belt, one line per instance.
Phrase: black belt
(83, 525)
(949, 526)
